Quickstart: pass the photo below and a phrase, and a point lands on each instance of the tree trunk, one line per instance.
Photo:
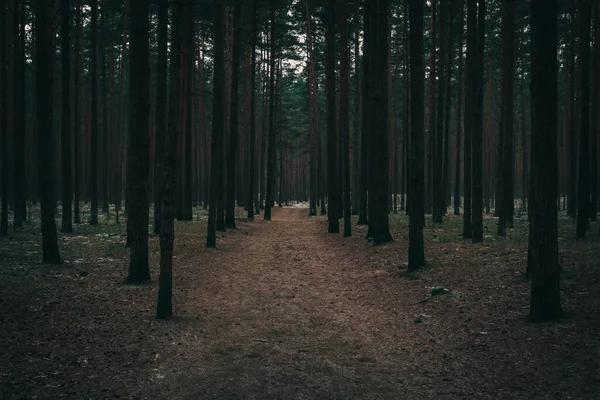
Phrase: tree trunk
(357, 117)
(459, 104)
(595, 113)
(416, 251)
(66, 152)
(545, 270)
(76, 116)
(314, 117)
(5, 104)
(330, 90)
(164, 307)
(161, 112)
(20, 175)
(139, 142)
(364, 138)
(506, 205)
(94, 116)
(271, 167)
(252, 155)
(345, 114)
(43, 72)
(216, 170)
(234, 122)
(470, 94)
(477, 135)
(583, 195)
(188, 44)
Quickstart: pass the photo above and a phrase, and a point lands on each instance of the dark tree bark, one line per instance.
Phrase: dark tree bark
(583, 195)
(470, 94)
(357, 114)
(345, 114)
(139, 142)
(332, 145)
(438, 169)
(416, 247)
(164, 307)
(449, 63)
(364, 137)
(377, 39)
(252, 156)
(431, 134)
(189, 59)
(572, 204)
(406, 120)
(161, 111)
(271, 153)
(43, 72)
(94, 117)
(76, 116)
(545, 276)
(477, 129)
(506, 206)
(595, 113)
(234, 122)
(20, 168)
(459, 104)
(218, 126)
(66, 139)
(6, 101)
(314, 116)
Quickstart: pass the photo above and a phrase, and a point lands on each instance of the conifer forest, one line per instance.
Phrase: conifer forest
(299, 199)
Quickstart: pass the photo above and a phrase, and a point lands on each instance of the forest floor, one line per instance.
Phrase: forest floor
(283, 310)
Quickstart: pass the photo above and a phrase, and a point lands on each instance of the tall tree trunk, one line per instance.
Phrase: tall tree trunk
(161, 112)
(271, 167)
(330, 90)
(216, 170)
(583, 198)
(506, 205)
(448, 96)
(314, 116)
(94, 116)
(572, 204)
(406, 120)
(470, 95)
(595, 113)
(20, 133)
(364, 138)
(357, 114)
(164, 307)
(459, 104)
(430, 138)
(345, 114)
(416, 247)
(5, 103)
(377, 38)
(438, 137)
(76, 115)
(67, 215)
(252, 155)
(477, 136)
(188, 123)
(104, 166)
(139, 142)
(234, 122)
(545, 270)
(43, 72)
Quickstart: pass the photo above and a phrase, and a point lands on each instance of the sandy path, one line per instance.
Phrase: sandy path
(279, 320)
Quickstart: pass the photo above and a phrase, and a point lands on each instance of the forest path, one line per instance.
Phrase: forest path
(286, 312)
